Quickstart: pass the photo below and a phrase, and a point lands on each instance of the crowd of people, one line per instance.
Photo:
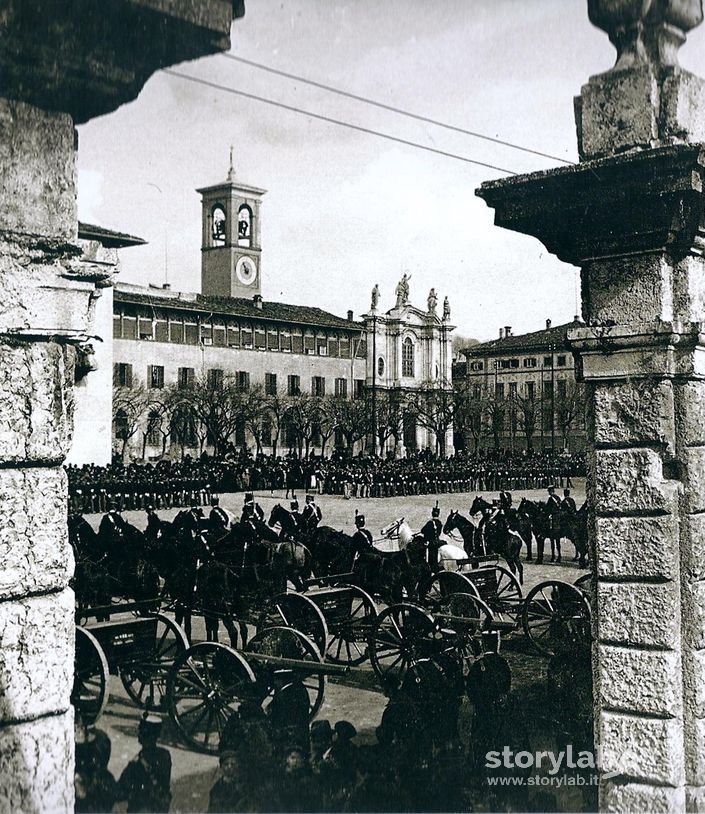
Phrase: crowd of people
(190, 482)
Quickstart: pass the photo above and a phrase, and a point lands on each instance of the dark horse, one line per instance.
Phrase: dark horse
(500, 535)
(390, 574)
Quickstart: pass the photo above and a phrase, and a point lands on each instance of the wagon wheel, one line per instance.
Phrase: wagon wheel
(466, 621)
(90, 682)
(288, 643)
(435, 591)
(297, 611)
(401, 637)
(205, 686)
(507, 602)
(349, 643)
(145, 677)
(556, 617)
(583, 583)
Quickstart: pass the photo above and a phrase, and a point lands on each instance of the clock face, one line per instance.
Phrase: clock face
(246, 270)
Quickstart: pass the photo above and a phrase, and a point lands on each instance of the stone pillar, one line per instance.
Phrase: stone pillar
(631, 215)
(60, 65)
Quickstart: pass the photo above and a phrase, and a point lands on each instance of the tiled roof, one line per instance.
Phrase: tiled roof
(239, 307)
(537, 340)
(109, 238)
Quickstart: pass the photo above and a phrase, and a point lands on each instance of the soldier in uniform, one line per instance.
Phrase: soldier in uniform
(153, 530)
(311, 516)
(299, 525)
(567, 518)
(553, 506)
(218, 519)
(431, 532)
(251, 509)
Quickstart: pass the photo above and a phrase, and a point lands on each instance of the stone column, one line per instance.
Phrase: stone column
(60, 64)
(631, 215)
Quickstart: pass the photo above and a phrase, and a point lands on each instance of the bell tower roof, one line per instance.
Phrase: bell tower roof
(231, 182)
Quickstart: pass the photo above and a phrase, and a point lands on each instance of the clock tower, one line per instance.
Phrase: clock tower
(231, 249)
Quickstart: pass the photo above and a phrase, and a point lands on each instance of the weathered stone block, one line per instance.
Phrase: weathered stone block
(632, 797)
(642, 681)
(37, 181)
(694, 681)
(36, 655)
(34, 550)
(693, 479)
(693, 612)
(694, 798)
(632, 480)
(634, 412)
(682, 112)
(647, 748)
(631, 289)
(637, 547)
(689, 289)
(695, 752)
(36, 766)
(690, 412)
(36, 401)
(617, 112)
(638, 614)
(692, 533)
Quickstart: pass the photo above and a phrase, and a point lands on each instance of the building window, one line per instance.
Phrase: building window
(191, 333)
(560, 361)
(242, 378)
(246, 336)
(161, 331)
(293, 387)
(214, 378)
(122, 374)
(322, 346)
(512, 390)
(561, 388)
(530, 362)
(380, 366)
(185, 377)
(499, 392)
(531, 390)
(154, 426)
(548, 361)
(477, 365)
(359, 391)
(218, 232)
(477, 392)
(121, 425)
(270, 384)
(144, 327)
(407, 358)
(244, 226)
(129, 327)
(341, 388)
(155, 376)
(182, 427)
(117, 326)
(176, 332)
(318, 386)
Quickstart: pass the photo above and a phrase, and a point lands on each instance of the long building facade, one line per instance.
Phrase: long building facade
(522, 392)
(165, 340)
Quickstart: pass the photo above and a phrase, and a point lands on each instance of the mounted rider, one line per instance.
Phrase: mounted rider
(251, 509)
(362, 539)
(297, 517)
(431, 532)
(311, 516)
(218, 519)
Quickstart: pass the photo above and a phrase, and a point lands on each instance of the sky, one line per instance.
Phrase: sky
(346, 210)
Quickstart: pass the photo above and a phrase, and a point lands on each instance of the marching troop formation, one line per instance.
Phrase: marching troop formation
(188, 482)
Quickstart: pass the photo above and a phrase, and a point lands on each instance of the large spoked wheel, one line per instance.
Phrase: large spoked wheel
(349, 642)
(285, 643)
(297, 611)
(205, 687)
(402, 636)
(145, 676)
(466, 626)
(507, 601)
(435, 592)
(90, 681)
(583, 583)
(556, 617)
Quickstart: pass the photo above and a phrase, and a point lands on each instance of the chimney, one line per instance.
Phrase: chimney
(166, 286)
(257, 300)
(507, 330)
(350, 316)
(548, 324)
(501, 333)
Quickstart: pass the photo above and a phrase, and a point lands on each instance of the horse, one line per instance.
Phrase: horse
(472, 541)
(441, 557)
(332, 551)
(575, 529)
(499, 535)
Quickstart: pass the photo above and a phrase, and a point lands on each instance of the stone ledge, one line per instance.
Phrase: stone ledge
(618, 798)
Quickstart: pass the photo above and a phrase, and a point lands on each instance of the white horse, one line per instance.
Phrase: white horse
(399, 534)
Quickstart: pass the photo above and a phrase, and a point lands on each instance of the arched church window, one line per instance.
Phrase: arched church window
(244, 226)
(407, 358)
(218, 234)
(380, 366)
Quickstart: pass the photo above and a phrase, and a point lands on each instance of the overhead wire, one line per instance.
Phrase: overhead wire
(360, 129)
(383, 106)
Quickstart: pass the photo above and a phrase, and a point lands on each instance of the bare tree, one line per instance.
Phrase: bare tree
(352, 418)
(129, 407)
(301, 415)
(217, 404)
(388, 412)
(570, 404)
(254, 410)
(529, 413)
(434, 407)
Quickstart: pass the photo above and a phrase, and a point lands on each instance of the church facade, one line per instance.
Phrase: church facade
(165, 340)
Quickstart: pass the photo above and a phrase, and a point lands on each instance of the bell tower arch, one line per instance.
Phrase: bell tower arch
(231, 247)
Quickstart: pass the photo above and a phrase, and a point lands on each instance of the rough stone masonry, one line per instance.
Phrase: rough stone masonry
(631, 216)
(61, 64)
